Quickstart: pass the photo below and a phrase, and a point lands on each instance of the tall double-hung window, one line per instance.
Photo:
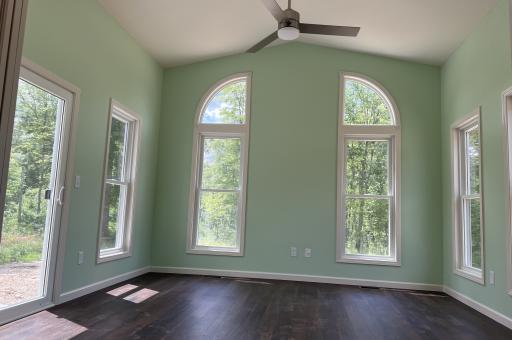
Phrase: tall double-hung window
(219, 169)
(368, 174)
(467, 198)
(114, 239)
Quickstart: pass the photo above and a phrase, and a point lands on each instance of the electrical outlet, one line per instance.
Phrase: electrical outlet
(491, 278)
(293, 251)
(307, 252)
(80, 257)
(77, 182)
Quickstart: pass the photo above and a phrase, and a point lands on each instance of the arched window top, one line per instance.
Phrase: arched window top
(367, 103)
(226, 102)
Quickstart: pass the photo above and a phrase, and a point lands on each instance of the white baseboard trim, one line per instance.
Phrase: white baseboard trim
(491, 313)
(76, 293)
(298, 277)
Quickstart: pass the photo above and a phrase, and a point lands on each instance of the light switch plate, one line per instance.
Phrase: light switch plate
(307, 252)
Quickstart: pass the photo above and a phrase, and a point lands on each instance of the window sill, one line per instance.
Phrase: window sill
(112, 256)
(215, 251)
(471, 274)
(370, 260)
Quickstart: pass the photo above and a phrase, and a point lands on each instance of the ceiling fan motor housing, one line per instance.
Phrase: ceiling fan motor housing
(291, 19)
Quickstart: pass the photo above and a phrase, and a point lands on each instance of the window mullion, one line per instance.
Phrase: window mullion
(368, 196)
(116, 182)
(219, 190)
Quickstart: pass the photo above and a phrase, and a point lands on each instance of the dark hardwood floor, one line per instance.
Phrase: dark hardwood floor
(160, 306)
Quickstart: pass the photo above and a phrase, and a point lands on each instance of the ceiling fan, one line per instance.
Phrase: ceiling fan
(289, 26)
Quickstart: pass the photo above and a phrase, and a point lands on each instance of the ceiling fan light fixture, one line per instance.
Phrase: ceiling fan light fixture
(288, 33)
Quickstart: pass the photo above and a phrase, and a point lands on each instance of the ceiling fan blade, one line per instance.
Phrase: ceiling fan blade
(263, 43)
(274, 8)
(345, 31)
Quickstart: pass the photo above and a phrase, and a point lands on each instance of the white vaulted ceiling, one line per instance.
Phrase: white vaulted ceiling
(179, 32)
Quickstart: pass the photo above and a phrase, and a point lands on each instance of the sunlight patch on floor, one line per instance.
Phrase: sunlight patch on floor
(121, 290)
(141, 295)
(49, 326)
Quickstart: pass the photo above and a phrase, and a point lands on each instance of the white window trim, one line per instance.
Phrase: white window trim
(476, 275)
(387, 132)
(122, 113)
(219, 130)
(507, 120)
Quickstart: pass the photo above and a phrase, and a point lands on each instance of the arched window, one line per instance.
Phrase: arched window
(219, 169)
(368, 174)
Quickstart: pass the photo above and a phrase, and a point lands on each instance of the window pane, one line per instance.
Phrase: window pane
(116, 151)
(367, 166)
(364, 105)
(367, 227)
(227, 106)
(112, 216)
(217, 219)
(472, 233)
(473, 160)
(221, 163)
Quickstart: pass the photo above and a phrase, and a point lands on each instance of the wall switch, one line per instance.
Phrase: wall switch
(307, 252)
(293, 251)
(491, 278)
(77, 182)
(80, 257)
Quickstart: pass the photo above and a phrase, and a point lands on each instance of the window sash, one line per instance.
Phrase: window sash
(465, 177)
(467, 232)
(391, 196)
(369, 138)
(199, 189)
(238, 221)
(387, 198)
(201, 165)
(121, 219)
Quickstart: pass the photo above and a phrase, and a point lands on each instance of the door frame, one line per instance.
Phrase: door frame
(55, 278)
(13, 15)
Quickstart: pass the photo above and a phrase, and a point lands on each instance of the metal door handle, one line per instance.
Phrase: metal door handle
(60, 197)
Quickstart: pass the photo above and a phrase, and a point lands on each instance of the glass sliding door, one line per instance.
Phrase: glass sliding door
(34, 194)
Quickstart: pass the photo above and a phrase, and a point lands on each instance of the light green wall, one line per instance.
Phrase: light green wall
(292, 162)
(476, 74)
(79, 42)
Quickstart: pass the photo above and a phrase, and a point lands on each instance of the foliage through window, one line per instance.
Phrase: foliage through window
(117, 204)
(368, 212)
(467, 194)
(29, 177)
(365, 104)
(216, 221)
